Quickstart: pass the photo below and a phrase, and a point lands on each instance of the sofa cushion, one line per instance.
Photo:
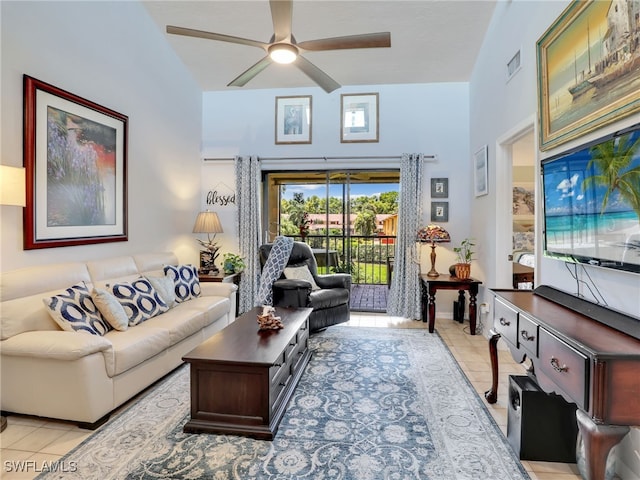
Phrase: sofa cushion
(165, 288)
(139, 299)
(111, 309)
(135, 346)
(154, 263)
(74, 310)
(185, 280)
(56, 345)
(21, 292)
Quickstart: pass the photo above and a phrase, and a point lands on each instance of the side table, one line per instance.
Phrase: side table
(224, 278)
(429, 287)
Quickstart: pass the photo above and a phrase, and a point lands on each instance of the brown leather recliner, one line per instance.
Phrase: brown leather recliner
(330, 303)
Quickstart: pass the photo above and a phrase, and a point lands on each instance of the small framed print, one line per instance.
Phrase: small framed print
(293, 120)
(359, 118)
(439, 212)
(439, 188)
(480, 175)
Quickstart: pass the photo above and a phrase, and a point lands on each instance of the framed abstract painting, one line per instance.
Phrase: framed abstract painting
(75, 158)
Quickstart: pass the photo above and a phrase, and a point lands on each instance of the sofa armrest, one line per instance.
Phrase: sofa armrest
(56, 345)
(334, 280)
(218, 289)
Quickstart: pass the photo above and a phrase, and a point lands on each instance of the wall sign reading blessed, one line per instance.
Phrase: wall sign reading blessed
(221, 195)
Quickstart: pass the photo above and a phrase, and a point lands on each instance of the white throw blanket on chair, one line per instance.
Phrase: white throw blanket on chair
(273, 268)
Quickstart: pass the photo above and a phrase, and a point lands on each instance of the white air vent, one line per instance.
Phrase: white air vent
(514, 65)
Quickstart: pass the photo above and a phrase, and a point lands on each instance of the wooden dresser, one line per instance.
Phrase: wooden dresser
(587, 353)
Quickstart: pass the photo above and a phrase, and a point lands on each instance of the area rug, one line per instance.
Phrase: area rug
(373, 403)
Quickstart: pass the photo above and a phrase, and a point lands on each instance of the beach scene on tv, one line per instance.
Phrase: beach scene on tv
(592, 203)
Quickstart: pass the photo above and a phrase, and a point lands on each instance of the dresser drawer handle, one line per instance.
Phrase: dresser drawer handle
(556, 366)
(277, 364)
(504, 323)
(525, 335)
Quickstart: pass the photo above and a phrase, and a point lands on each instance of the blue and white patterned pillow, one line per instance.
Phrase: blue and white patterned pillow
(75, 311)
(139, 299)
(186, 281)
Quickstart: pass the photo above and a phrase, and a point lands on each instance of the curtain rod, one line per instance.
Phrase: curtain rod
(356, 157)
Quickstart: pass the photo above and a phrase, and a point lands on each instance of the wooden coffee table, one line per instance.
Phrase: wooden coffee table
(242, 378)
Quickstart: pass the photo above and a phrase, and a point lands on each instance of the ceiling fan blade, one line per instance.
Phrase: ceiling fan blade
(242, 79)
(189, 32)
(366, 40)
(327, 83)
(281, 13)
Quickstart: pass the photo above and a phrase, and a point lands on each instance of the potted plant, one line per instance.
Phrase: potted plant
(233, 263)
(464, 254)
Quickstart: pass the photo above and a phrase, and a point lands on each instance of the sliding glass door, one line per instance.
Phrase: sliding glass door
(348, 217)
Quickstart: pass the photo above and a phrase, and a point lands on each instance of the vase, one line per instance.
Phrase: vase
(463, 270)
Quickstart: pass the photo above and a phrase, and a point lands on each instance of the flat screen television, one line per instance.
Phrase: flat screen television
(592, 202)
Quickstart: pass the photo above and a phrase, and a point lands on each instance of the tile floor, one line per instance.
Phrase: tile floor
(37, 441)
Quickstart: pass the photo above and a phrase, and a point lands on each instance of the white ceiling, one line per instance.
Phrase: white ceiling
(431, 40)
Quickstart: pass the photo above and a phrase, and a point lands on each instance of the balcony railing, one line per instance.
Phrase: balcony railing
(367, 258)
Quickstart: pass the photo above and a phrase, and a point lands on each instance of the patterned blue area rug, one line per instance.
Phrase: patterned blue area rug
(373, 404)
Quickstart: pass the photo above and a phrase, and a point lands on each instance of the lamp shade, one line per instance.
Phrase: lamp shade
(207, 222)
(433, 234)
(12, 186)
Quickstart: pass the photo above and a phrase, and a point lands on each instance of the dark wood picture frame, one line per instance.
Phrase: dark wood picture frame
(75, 159)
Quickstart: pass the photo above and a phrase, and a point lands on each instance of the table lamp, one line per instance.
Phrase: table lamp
(434, 234)
(208, 222)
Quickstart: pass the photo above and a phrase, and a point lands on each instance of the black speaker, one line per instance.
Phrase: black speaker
(540, 426)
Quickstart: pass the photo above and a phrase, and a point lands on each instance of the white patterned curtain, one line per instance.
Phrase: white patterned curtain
(248, 224)
(404, 295)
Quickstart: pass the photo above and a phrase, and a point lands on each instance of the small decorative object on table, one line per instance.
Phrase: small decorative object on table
(434, 234)
(465, 254)
(268, 320)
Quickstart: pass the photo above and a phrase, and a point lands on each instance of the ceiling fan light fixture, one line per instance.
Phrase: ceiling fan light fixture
(283, 53)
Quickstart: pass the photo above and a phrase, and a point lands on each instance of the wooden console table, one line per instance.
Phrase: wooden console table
(430, 286)
(588, 354)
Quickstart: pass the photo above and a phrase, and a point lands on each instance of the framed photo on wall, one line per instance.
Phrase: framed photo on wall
(359, 118)
(293, 120)
(480, 176)
(587, 76)
(439, 188)
(75, 158)
(439, 212)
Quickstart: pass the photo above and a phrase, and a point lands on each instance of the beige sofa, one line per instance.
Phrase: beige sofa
(81, 377)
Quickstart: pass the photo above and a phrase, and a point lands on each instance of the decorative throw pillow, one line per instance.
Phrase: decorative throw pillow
(301, 273)
(74, 311)
(185, 281)
(164, 286)
(110, 308)
(139, 300)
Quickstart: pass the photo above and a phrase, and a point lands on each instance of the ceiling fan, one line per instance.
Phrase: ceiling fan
(283, 47)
